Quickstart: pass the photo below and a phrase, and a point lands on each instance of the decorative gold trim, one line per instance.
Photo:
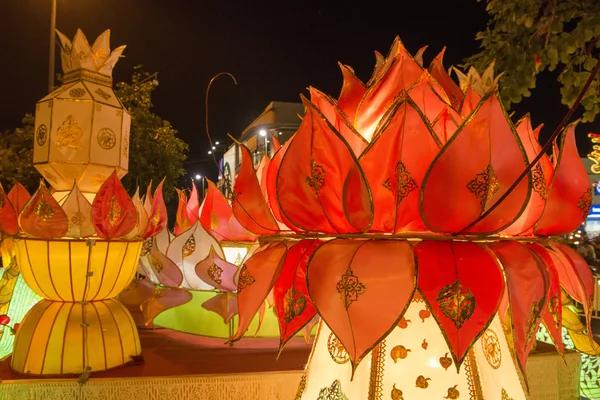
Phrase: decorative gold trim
(377, 370)
(473, 380)
(84, 74)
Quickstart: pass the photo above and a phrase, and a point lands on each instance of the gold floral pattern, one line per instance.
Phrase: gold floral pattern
(44, 210)
(97, 179)
(41, 135)
(146, 247)
(505, 395)
(77, 219)
(484, 186)
(491, 348)
(453, 393)
(396, 394)
(553, 309)
(349, 288)
(158, 265)
(333, 392)
(538, 181)
(402, 182)
(189, 247)
(114, 211)
(534, 315)
(316, 180)
(214, 221)
(585, 202)
(245, 279)
(399, 353)
(456, 303)
(102, 94)
(77, 93)
(445, 362)
(336, 350)
(422, 382)
(294, 304)
(69, 134)
(214, 273)
(106, 138)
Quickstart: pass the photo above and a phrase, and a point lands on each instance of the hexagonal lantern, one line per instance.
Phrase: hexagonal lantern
(81, 128)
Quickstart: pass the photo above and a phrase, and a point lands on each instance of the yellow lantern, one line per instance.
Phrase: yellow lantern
(81, 128)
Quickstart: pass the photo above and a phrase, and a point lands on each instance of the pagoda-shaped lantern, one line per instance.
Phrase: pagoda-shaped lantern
(81, 128)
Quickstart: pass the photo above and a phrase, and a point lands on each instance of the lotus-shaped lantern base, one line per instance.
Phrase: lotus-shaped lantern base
(78, 269)
(57, 338)
(413, 362)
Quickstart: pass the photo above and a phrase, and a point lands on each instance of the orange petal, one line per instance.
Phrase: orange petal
(42, 217)
(261, 174)
(570, 196)
(394, 165)
(470, 101)
(437, 70)
(164, 299)
(224, 304)
(541, 176)
(255, 280)
(379, 64)
(271, 184)
(193, 206)
(8, 216)
(113, 212)
(450, 277)
(348, 280)
(181, 216)
(446, 124)
(217, 272)
(320, 186)
(528, 284)
(400, 72)
(78, 210)
(142, 218)
(552, 312)
(276, 144)
(293, 304)
(473, 170)
(429, 97)
(18, 196)
(352, 92)
(326, 105)
(249, 205)
(157, 217)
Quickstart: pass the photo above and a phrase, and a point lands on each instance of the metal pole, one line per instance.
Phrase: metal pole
(52, 46)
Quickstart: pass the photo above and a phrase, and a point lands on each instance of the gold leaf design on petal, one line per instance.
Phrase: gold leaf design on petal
(294, 304)
(484, 186)
(396, 394)
(538, 181)
(402, 183)
(316, 179)
(422, 382)
(349, 287)
(214, 272)
(399, 352)
(146, 247)
(78, 219)
(189, 247)
(491, 348)
(245, 279)
(158, 265)
(534, 315)
(44, 210)
(456, 303)
(453, 393)
(114, 211)
(585, 202)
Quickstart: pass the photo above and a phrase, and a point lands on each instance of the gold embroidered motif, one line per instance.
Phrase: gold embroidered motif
(585, 202)
(349, 288)
(214, 221)
(294, 304)
(456, 303)
(50, 177)
(102, 94)
(336, 350)
(333, 392)
(97, 179)
(505, 395)
(553, 308)
(156, 218)
(238, 260)
(158, 265)
(491, 348)
(106, 138)
(41, 135)
(534, 315)
(376, 375)
(77, 92)
(77, 219)
(445, 362)
(403, 324)
(424, 345)
(146, 247)
(245, 279)
(402, 183)
(189, 247)
(114, 211)
(396, 394)
(399, 352)
(214, 273)
(44, 210)
(158, 293)
(453, 393)
(484, 186)
(422, 382)
(82, 55)
(119, 113)
(69, 134)
(316, 180)
(126, 144)
(538, 181)
(100, 53)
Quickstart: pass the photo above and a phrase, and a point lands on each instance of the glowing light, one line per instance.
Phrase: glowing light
(262, 132)
(210, 152)
(217, 143)
(198, 177)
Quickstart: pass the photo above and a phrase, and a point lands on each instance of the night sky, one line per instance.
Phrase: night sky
(275, 50)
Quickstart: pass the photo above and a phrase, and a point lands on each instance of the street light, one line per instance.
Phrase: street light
(198, 177)
(52, 46)
(201, 179)
(263, 133)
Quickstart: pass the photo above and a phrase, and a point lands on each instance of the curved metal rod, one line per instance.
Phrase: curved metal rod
(206, 112)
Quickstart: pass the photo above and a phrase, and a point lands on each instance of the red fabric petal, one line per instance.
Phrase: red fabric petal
(182, 222)
(42, 217)
(273, 170)
(541, 176)
(429, 97)
(218, 219)
(157, 217)
(474, 169)
(380, 62)
(255, 280)
(113, 211)
(446, 124)
(570, 196)
(8, 216)
(528, 284)
(18, 196)
(552, 313)
(399, 73)
(470, 101)
(292, 302)
(394, 165)
(326, 105)
(164, 299)
(361, 289)
(320, 186)
(437, 70)
(193, 205)
(352, 92)
(450, 278)
(249, 206)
